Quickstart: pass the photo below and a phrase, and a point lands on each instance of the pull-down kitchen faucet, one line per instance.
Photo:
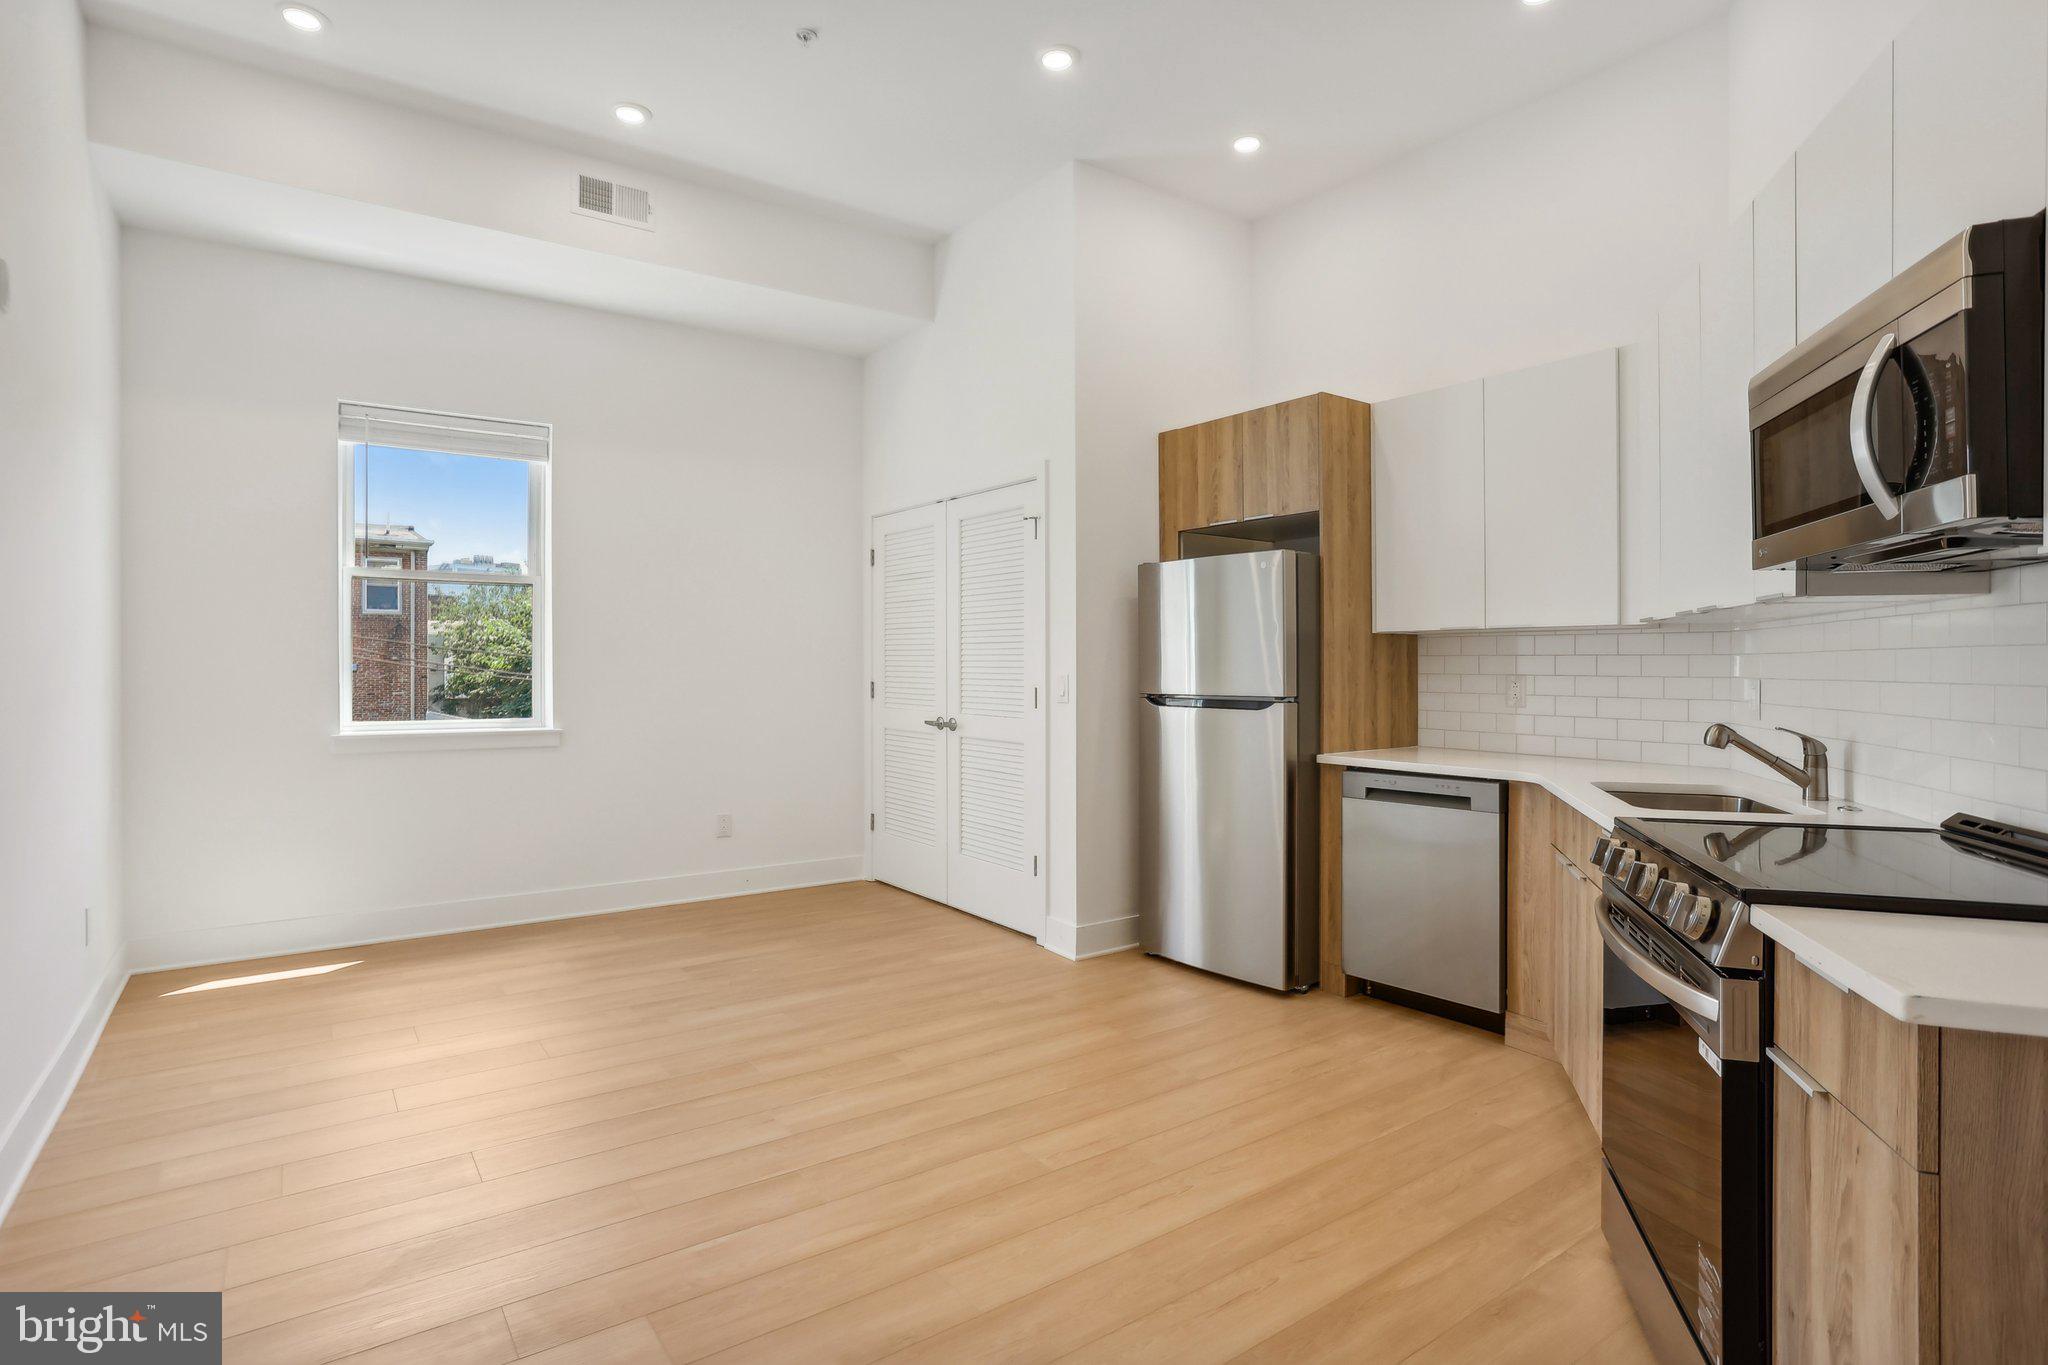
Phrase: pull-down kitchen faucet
(1811, 779)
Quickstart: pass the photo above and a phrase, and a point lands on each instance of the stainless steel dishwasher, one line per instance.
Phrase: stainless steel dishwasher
(1425, 912)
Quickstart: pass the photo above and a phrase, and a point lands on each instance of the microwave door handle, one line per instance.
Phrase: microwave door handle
(1679, 992)
(1859, 430)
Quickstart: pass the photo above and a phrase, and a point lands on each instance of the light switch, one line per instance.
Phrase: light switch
(1063, 689)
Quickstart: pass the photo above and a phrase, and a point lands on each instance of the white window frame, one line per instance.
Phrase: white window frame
(380, 562)
(540, 728)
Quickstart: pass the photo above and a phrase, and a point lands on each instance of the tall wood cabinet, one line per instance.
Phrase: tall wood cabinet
(1308, 455)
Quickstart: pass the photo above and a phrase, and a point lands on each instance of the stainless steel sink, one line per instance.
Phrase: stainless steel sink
(1690, 799)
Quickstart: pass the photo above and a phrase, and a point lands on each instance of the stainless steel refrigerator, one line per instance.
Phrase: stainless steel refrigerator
(1228, 676)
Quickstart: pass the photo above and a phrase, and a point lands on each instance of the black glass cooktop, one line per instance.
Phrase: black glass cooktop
(1969, 867)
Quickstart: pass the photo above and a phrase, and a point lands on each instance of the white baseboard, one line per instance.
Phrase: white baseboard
(1077, 941)
(318, 933)
(30, 1128)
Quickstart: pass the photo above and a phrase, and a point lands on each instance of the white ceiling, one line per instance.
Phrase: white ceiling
(925, 112)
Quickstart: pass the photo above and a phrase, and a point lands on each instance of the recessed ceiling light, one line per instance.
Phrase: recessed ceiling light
(1058, 58)
(302, 18)
(1246, 145)
(1532, 4)
(632, 115)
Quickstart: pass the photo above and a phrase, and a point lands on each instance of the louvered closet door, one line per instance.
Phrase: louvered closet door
(909, 752)
(995, 812)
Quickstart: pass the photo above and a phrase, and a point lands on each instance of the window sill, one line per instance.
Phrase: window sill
(394, 741)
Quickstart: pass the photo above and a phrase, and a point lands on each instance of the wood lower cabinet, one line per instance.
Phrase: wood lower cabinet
(1886, 1071)
(1854, 1239)
(1532, 919)
(1910, 1184)
(1580, 983)
(1554, 948)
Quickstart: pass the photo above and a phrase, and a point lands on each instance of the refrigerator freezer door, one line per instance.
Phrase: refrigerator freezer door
(1214, 843)
(1221, 626)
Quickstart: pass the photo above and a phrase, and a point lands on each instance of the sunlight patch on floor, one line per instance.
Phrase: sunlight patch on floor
(222, 983)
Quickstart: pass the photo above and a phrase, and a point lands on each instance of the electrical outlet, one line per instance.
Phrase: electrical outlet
(1518, 692)
(1752, 688)
(725, 827)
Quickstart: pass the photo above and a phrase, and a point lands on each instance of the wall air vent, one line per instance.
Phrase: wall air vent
(613, 202)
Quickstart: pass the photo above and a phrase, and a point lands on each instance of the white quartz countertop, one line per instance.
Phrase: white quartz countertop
(1955, 973)
(1925, 969)
(1577, 782)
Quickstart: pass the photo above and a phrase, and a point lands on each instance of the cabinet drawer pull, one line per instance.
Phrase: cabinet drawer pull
(1796, 1073)
(1566, 864)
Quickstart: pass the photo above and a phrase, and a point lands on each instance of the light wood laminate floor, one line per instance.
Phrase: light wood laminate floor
(833, 1124)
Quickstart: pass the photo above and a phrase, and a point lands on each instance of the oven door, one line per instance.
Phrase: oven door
(1682, 1129)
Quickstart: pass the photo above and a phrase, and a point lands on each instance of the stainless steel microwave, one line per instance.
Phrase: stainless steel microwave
(1905, 436)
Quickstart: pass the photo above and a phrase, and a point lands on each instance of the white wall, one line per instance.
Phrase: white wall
(1539, 234)
(1162, 340)
(1074, 322)
(1789, 62)
(984, 395)
(59, 557)
(702, 666)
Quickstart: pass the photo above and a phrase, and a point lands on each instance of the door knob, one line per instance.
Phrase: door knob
(937, 724)
(950, 723)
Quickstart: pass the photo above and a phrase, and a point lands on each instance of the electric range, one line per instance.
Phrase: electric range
(1684, 1092)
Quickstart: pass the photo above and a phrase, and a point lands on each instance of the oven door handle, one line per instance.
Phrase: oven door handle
(1859, 430)
(1672, 987)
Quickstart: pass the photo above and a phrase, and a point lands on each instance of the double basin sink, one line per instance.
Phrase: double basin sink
(1689, 799)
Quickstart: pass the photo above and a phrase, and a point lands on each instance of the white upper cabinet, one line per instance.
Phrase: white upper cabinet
(1720, 494)
(1641, 543)
(1680, 446)
(1428, 484)
(1777, 269)
(1971, 106)
(1844, 201)
(1552, 464)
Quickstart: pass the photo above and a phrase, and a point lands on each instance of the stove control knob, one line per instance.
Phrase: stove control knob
(1695, 917)
(1600, 850)
(1619, 859)
(1669, 899)
(1641, 878)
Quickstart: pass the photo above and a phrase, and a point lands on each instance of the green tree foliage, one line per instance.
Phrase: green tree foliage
(485, 635)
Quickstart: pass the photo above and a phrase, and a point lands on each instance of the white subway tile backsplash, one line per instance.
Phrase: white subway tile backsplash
(1926, 707)
(2020, 705)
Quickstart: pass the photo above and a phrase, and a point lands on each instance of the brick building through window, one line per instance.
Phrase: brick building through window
(389, 628)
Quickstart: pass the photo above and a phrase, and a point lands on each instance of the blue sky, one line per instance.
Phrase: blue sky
(465, 504)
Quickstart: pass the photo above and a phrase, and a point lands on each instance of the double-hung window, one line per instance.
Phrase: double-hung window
(444, 573)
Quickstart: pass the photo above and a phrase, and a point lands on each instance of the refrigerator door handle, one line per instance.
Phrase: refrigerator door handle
(1216, 703)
